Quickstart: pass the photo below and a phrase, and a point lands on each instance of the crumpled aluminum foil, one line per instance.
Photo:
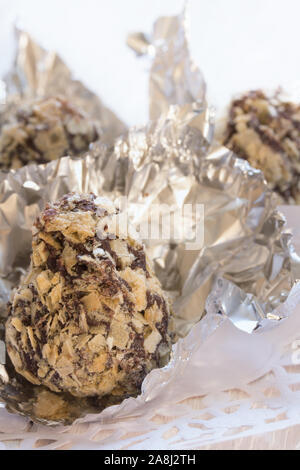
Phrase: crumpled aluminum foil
(38, 73)
(174, 78)
(247, 263)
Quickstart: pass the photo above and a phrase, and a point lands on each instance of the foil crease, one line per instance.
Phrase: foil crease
(239, 280)
(174, 78)
(38, 73)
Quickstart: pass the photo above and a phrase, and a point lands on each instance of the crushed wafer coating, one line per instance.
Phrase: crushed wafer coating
(266, 132)
(44, 131)
(90, 318)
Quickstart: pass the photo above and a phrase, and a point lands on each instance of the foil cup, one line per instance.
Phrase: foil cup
(241, 281)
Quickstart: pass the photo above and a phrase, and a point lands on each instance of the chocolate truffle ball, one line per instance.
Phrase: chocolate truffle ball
(43, 131)
(90, 317)
(266, 132)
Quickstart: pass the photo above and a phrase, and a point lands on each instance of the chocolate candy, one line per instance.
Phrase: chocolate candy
(266, 132)
(44, 131)
(90, 317)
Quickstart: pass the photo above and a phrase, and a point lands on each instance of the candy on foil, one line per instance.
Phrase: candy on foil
(241, 277)
(38, 74)
(264, 129)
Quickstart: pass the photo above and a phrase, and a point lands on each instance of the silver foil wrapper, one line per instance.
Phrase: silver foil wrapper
(38, 73)
(174, 78)
(245, 268)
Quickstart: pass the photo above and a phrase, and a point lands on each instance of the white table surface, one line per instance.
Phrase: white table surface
(238, 44)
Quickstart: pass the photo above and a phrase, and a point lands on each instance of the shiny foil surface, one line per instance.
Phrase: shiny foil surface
(38, 73)
(244, 271)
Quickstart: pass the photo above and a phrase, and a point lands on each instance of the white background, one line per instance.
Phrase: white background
(238, 44)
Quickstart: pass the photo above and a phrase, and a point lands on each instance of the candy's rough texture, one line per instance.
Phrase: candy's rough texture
(44, 131)
(266, 132)
(90, 318)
